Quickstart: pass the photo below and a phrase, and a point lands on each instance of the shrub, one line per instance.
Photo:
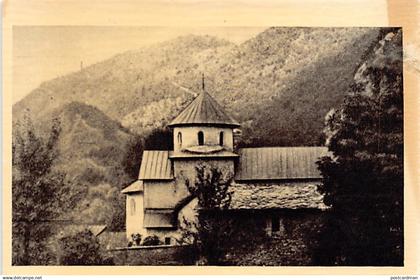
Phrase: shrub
(151, 241)
(136, 237)
(82, 248)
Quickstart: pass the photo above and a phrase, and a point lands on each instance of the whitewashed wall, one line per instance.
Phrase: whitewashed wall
(211, 136)
(134, 221)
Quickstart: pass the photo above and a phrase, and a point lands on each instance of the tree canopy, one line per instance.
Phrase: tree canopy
(36, 193)
(363, 180)
(210, 233)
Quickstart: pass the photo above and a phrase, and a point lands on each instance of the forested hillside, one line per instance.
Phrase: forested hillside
(280, 67)
(279, 85)
(92, 152)
(295, 115)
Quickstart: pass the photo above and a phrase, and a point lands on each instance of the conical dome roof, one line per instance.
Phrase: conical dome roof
(204, 110)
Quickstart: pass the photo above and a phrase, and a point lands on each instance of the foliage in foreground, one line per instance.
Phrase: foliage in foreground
(82, 248)
(210, 232)
(363, 181)
(37, 193)
(151, 240)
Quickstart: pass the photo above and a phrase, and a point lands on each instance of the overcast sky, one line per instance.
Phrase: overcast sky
(44, 53)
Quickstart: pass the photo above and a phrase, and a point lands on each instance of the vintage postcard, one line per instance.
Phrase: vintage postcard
(259, 137)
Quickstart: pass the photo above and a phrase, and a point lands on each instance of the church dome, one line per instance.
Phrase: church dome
(204, 110)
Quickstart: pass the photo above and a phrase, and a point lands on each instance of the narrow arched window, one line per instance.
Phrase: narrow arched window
(132, 207)
(221, 138)
(200, 138)
(179, 139)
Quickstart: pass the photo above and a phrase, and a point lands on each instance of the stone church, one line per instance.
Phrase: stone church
(268, 181)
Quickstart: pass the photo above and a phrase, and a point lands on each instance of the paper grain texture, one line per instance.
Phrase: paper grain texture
(187, 13)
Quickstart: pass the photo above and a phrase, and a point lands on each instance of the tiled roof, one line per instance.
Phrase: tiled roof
(136, 186)
(277, 163)
(297, 195)
(290, 195)
(204, 110)
(155, 165)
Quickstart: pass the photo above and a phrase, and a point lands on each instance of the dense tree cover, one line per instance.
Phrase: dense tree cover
(132, 157)
(276, 74)
(37, 193)
(102, 204)
(363, 180)
(81, 248)
(295, 114)
(92, 150)
(159, 139)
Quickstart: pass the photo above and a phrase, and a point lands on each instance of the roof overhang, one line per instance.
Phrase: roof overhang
(136, 186)
(222, 125)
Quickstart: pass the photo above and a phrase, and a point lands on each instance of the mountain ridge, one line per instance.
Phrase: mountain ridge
(257, 68)
(278, 85)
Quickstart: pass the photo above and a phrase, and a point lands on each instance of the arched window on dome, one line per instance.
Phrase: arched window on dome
(221, 138)
(132, 207)
(179, 139)
(200, 138)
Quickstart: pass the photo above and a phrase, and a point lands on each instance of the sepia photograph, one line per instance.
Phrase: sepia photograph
(207, 146)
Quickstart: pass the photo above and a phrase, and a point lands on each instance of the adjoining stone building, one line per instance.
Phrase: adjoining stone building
(267, 180)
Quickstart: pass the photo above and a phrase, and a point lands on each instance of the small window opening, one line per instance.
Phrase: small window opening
(221, 138)
(132, 207)
(180, 139)
(200, 138)
(275, 224)
(167, 240)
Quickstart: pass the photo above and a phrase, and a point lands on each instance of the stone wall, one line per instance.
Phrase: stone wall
(253, 244)
(292, 245)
